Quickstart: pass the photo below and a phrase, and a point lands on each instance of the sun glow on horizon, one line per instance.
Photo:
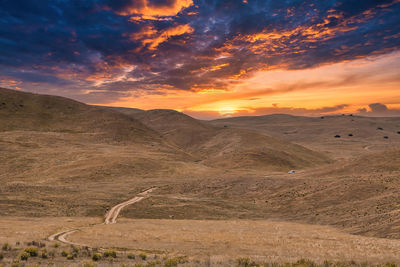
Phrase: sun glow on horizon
(349, 85)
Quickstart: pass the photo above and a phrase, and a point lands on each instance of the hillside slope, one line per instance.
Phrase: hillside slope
(27, 111)
(357, 134)
(228, 148)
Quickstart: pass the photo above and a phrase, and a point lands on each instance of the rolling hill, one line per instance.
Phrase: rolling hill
(357, 134)
(44, 113)
(218, 146)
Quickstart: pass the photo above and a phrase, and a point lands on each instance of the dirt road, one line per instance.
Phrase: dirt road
(110, 218)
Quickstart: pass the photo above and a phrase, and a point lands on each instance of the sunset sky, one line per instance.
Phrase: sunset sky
(208, 58)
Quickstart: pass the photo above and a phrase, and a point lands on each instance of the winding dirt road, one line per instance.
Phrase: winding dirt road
(110, 218)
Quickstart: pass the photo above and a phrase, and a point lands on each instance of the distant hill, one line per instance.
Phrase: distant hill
(34, 112)
(218, 146)
(355, 134)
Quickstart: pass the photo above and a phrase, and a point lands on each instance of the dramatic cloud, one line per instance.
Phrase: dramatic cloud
(149, 8)
(104, 50)
(379, 110)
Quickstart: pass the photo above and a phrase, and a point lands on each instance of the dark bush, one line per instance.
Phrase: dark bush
(6, 247)
(245, 262)
(143, 256)
(96, 257)
(24, 256)
(33, 252)
(109, 253)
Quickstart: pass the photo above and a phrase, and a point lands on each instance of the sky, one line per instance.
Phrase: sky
(208, 58)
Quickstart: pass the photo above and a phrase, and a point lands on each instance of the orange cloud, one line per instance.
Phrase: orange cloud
(10, 83)
(276, 42)
(151, 38)
(148, 10)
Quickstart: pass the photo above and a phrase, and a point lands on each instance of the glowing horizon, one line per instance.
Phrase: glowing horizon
(311, 92)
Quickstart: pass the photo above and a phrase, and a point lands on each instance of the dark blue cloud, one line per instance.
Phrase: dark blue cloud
(111, 45)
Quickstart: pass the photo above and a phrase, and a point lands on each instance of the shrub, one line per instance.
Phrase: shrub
(304, 263)
(96, 257)
(390, 264)
(88, 264)
(131, 256)
(24, 256)
(56, 245)
(70, 257)
(174, 261)
(6, 247)
(44, 254)
(243, 262)
(1, 256)
(75, 250)
(153, 263)
(327, 263)
(64, 253)
(143, 256)
(33, 252)
(110, 253)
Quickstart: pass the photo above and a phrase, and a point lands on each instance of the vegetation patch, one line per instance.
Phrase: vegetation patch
(96, 257)
(143, 256)
(110, 253)
(33, 252)
(174, 261)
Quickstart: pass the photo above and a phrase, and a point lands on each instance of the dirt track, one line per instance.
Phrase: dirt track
(110, 218)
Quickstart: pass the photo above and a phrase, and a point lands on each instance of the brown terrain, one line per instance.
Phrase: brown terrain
(222, 190)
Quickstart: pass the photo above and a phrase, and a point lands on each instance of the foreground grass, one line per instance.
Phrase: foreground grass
(53, 254)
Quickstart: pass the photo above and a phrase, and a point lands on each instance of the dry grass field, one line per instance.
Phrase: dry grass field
(222, 240)
(223, 187)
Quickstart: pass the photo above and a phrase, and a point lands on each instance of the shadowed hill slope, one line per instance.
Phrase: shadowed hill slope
(27, 111)
(177, 127)
(228, 148)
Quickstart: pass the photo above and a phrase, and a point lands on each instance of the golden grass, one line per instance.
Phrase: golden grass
(27, 229)
(268, 241)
